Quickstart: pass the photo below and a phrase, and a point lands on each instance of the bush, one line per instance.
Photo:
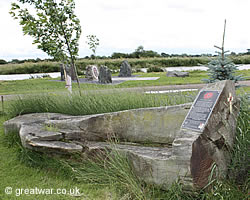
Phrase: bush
(28, 68)
(154, 69)
(114, 64)
(3, 62)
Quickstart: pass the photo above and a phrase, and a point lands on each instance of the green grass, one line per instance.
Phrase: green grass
(240, 153)
(30, 86)
(20, 168)
(46, 85)
(94, 102)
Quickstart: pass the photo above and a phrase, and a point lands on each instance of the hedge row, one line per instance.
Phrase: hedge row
(28, 68)
(45, 67)
(145, 62)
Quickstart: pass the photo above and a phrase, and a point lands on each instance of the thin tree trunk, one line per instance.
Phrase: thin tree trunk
(71, 57)
(77, 78)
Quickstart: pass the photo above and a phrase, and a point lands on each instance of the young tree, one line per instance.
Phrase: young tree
(222, 68)
(93, 42)
(54, 26)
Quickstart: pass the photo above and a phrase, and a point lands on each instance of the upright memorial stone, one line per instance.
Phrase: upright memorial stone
(62, 72)
(104, 75)
(68, 80)
(125, 69)
(92, 72)
(207, 134)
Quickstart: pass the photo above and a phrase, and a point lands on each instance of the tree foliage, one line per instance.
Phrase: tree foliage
(93, 42)
(3, 62)
(54, 27)
(222, 69)
(138, 53)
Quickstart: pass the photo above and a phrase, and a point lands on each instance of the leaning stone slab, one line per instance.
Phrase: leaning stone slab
(184, 144)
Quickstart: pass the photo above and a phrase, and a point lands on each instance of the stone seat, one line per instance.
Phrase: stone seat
(145, 136)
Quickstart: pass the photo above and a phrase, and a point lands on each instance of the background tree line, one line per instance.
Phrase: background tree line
(138, 53)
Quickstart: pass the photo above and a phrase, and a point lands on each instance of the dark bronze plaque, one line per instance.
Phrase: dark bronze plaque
(201, 110)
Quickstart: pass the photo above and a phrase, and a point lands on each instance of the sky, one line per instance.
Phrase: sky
(170, 26)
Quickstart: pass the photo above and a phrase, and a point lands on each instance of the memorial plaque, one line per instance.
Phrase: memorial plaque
(201, 110)
(95, 72)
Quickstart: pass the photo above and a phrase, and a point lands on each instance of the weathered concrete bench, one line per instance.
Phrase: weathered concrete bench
(176, 151)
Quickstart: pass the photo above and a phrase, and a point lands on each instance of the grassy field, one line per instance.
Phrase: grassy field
(23, 169)
(47, 85)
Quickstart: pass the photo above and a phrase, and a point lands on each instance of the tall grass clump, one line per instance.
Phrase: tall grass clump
(112, 169)
(94, 102)
(240, 167)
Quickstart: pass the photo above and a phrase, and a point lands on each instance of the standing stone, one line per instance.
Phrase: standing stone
(104, 75)
(73, 73)
(207, 134)
(177, 74)
(92, 72)
(68, 79)
(125, 69)
(62, 72)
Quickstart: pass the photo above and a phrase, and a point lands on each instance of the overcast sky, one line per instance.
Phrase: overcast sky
(170, 26)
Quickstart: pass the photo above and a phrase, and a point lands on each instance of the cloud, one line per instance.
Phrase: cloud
(160, 25)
